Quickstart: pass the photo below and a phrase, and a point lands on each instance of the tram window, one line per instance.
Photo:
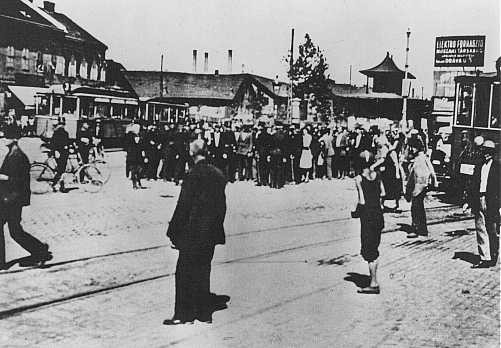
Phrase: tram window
(69, 105)
(495, 106)
(465, 105)
(482, 94)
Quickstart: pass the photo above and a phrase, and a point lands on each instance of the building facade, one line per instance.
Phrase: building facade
(40, 47)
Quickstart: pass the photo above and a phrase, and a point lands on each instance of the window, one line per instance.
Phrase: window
(72, 68)
(94, 71)
(60, 62)
(103, 74)
(9, 63)
(495, 106)
(25, 62)
(465, 102)
(83, 69)
(482, 95)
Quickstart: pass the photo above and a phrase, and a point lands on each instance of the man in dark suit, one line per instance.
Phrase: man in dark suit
(484, 202)
(229, 143)
(195, 229)
(263, 147)
(14, 195)
(60, 145)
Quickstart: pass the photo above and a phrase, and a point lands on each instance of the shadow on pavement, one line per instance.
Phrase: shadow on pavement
(360, 280)
(405, 228)
(218, 302)
(467, 257)
(457, 233)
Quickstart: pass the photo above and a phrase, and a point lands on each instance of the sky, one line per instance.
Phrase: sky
(349, 32)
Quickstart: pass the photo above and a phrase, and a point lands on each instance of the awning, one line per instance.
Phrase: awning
(27, 94)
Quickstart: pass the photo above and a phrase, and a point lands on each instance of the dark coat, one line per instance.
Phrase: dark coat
(492, 192)
(134, 150)
(60, 140)
(197, 222)
(17, 167)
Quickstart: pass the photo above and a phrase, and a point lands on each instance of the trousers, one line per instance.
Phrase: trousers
(418, 214)
(487, 235)
(12, 216)
(193, 284)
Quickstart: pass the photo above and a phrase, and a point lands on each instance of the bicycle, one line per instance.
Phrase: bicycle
(96, 157)
(87, 175)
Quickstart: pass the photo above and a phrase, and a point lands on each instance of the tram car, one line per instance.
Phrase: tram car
(476, 117)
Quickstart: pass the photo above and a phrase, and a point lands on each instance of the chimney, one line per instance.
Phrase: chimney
(230, 61)
(49, 6)
(206, 62)
(194, 61)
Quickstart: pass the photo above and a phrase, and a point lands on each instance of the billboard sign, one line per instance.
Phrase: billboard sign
(460, 51)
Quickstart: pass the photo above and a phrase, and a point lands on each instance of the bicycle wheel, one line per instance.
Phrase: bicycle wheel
(90, 178)
(41, 178)
(103, 168)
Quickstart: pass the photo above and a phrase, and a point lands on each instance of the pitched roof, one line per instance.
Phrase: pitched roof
(180, 85)
(283, 88)
(26, 12)
(74, 31)
(387, 66)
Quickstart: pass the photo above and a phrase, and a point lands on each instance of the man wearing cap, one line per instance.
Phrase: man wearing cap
(196, 227)
(60, 143)
(484, 202)
(14, 195)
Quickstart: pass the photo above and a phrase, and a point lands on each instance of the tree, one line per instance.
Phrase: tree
(308, 75)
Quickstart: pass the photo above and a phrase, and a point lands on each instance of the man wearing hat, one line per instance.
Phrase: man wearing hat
(60, 146)
(14, 195)
(484, 202)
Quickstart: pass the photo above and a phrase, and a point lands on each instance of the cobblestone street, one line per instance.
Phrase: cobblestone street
(291, 266)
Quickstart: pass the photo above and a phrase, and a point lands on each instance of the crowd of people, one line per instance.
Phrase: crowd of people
(269, 155)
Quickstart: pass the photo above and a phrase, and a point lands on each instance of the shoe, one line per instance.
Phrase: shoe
(177, 321)
(412, 235)
(482, 264)
(369, 290)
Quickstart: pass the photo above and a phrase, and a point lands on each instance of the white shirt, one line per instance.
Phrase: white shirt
(216, 138)
(484, 175)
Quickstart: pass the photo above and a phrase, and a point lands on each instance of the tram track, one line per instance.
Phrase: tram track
(232, 235)
(112, 287)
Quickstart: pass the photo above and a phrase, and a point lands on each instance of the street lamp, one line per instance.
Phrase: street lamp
(404, 84)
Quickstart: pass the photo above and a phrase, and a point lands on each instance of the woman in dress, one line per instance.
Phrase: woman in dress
(392, 177)
(306, 161)
(370, 190)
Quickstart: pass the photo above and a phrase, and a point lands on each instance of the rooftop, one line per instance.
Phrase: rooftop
(181, 85)
(387, 66)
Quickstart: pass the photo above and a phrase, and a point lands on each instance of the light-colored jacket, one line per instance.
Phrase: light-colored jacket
(421, 175)
(329, 148)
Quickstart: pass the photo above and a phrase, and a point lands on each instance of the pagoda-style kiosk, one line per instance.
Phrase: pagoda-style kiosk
(387, 77)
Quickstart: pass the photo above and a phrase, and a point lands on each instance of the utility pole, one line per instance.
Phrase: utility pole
(162, 75)
(350, 77)
(291, 63)
(404, 96)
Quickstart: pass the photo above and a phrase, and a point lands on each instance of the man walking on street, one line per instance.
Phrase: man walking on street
(60, 143)
(14, 195)
(195, 229)
(484, 202)
(420, 176)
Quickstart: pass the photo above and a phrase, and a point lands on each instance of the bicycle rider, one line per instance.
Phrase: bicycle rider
(60, 144)
(84, 142)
